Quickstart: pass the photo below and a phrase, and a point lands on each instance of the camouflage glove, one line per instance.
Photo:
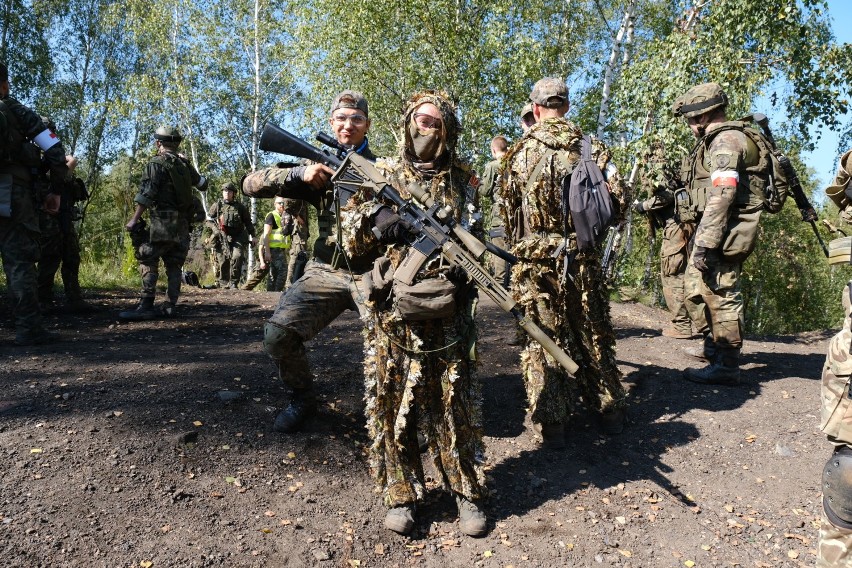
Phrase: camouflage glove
(701, 259)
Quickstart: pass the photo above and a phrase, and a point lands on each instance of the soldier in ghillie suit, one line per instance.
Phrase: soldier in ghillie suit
(19, 230)
(236, 231)
(725, 176)
(166, 193)
(331, 283)
(661, 180)
(560, 287)
(419, 343)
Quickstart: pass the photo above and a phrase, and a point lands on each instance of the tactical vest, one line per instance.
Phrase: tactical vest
(229, 218)
(277, 239)
(181, 178)
(754, 176)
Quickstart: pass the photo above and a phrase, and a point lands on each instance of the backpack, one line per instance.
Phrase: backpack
(585, 196)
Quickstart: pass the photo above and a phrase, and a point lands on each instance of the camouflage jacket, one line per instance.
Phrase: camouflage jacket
(836, 419)
(718, 171)
(158, 190)
(489, 188)
(535, 223)
(233, 218)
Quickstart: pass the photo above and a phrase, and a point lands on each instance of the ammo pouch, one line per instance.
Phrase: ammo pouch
(683, 206)
(5, 195)
(165, 227)
(433, 298)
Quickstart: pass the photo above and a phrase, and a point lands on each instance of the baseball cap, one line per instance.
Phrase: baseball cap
(550, 92)
(350, 99)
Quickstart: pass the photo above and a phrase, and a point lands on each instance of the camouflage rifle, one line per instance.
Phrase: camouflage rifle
(433, 228)
(808, 213)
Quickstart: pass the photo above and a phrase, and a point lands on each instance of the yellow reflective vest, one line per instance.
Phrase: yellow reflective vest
(277, 239)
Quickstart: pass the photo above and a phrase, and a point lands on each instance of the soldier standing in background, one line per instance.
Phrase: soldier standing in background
(19, 229)
(166, 193)
(491, 180)
(661, 180)
(572, 307)
(725, 176)
(274, 249)
(60, 245)
(236, 233)
(298, 253)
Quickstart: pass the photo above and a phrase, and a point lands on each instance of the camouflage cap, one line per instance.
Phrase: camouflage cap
(550, 92)
(229, 186)
(350, 99)
(699, 100)
(168, 134)
(526, 112)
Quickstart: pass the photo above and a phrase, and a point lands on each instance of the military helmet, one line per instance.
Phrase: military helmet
(229, 186)
(699, 100)
(168, 134)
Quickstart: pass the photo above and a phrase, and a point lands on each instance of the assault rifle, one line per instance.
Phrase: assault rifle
(808, 213)
(433, 228)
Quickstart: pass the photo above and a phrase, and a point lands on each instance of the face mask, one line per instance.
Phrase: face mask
(427, 143)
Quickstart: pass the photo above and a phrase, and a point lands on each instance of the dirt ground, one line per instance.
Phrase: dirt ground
(150, 444)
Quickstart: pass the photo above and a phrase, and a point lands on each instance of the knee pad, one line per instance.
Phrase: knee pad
(837, 488)
(281, 342)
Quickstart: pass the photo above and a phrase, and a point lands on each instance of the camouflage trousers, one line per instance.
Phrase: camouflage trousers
(20, 251)
(58, 248)
(576, 315)
(306, 308)
(297, 246)
(674, 255)
(716, 297)
(230, 262)
(276, 268)
(501, 267)
(420, 375)
(835, 545)
(173, 255)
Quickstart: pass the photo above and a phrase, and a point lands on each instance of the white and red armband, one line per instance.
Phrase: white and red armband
(725, 177)
(46, 140)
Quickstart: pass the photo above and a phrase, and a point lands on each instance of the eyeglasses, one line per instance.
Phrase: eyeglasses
(355, 119)
(279, 203)
(426, 121)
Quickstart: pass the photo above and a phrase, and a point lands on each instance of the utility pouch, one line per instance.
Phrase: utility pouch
(378, 281)
(433, 298)
(683, 206)
(165, 227)
(5, 195)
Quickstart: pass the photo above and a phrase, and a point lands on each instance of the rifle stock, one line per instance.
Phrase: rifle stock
(434, 227)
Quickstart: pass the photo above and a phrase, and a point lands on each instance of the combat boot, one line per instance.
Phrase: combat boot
(472, 520)
(302, 406)
(168, 309)
(553, 435)
(79, 306)
(400, 519)
(677, 332)
(143, 312)
(706, 351)
(724, 370)
(39, 336)
(612, 421)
